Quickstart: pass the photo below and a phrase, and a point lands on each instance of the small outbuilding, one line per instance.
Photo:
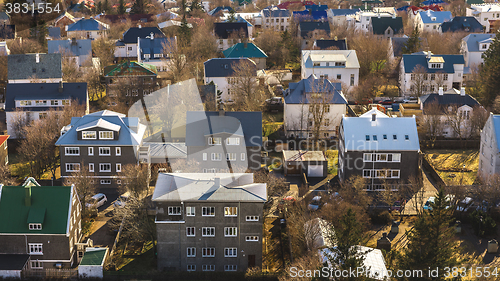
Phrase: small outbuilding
(92, 263)
(313, 163)
(12, 265)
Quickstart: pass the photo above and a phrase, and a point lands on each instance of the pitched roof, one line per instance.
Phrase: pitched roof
(65, 15)
(4, 16)
(411, 61)
(14, 214)
(297, 92)
(448, 99)
(309, 15)
(356, 130)
(223, 67)
(43, 91)
(81, 47)
(440, 16)
(287, 4)
(130, 36)
(155, 46)
(25, 66)
(7, 31)
(474, 39)
(303, 155)
(189, 187)
(224, 30)
(308, 26)
(3, 138)
(317, 7)
(202, 123)
(343, 12)
(87, 25)
(469, 24)
(94, 256)
(54, 32)
(348, 56)
(323, 44)
(244, 50)
(13, 261)
(160, 151)
(130, 68)
(216, 10)
(131, 131)
(495, 119)
(275, 12)
(381, 24)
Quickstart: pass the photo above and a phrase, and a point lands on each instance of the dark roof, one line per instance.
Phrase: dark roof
(87, 25)
(244, 50)
(381, 24)
(309, 15)
(223, 67)
(296, 93)
(343, 12)
(25, 66)
(448, 99)
(7, 31)
(4, 16)
(81, 47)
(287, 4)
(411, 61)
(323, 44)
(224, 29)
(13, 261)
(131, 17)
(43, 91)
(275, 12)
(207, 91)
(468, 24)
(155, 46)
(399, 42)
(54, 32)
(202, 123)
(130, 36)
(317, 7)
(220, 9)
(308, 26)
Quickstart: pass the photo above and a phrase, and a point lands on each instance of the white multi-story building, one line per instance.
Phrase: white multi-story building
(430, 21)
(489, 151)
(364, 18)
(221, 72)
(473, 47)
(275, 18)
(484, 13)
(87, 29)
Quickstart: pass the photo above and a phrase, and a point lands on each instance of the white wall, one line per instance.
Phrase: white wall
(90, 271)
(222, 85)
(10, 274)
(127, 51)
(87, 34)
(26, 81)
(295, 112)
(488, 165)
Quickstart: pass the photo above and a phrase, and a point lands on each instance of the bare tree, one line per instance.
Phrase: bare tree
(419, 82)
(319, 108)
(431, 123)
(135, 180)
(174, 55)
(478, 118)
(245, 89)
(104, 50)
(6, 176)
(276, 186)
(457, 120)
(85, 185)
(354, 191)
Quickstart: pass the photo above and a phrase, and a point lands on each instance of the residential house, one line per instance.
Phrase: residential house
(224, 141)
(335, 44)
(299, 162)
(127, 47)
(4, 151)
(288, 4)
(220, 10)
(104, 141)
(275, 18)
(342, 17)
(473, 47)
(336, 65)
(4, 18)
(209, 222)
(230, 33)
(484, 13)
(381, 149)
(133, 18)
(239, 18)
(54, 33)
(438, 70)
(396, 45)
(364, 18)
(34, 100)
(87, 29)
(463, 24)
(312, 30)
(40, 226)
(4, 49)
(430, 21)
(489, 157)
(310, 15)
(301, 112)
(7, 31)
(63, 20)
(46, 68)
(151, 51)
(221, 71)
(387, 27)
(455, 110)
(80, 51)
(247, 50)
(128, 82)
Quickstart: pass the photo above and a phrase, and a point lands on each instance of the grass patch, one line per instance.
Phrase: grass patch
(21, 169)
(270, 128)
(332, 156)
(455, 165)
(143, 261)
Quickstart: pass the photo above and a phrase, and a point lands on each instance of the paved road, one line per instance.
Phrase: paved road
(100, 232)
(429, 189)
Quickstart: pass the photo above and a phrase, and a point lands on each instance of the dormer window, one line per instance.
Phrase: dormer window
(484, 46)
(436, 65)
(106, 135)
(316, 64)
(35, 226)
(89, 135)
(214, 141)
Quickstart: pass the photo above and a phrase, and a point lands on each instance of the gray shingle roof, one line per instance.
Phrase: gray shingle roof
(275, 13)
(202, 123)
(130, 36)
(87, 25)
(224, 29)
(296, 93)
(25, 66)
(308, 26)
(223, 67)
(80, 48)
(155, 46)
(381, 24)
(448, 99)
(468, 24)
(472, 40)
(411, 61)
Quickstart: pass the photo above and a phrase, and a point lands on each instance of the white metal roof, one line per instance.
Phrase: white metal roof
(99, 123)
(328, 57)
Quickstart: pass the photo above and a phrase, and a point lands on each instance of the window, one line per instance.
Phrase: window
(396, 157)
(230, 267)
(118, 151)
(118, 167)
(66, 102)
(54, 102)
(433, 76)
(394, 137)
(316, 64)
(339, 76)
(381, 157)
(72, 151)
(135, 92)
(72, 167)
(118, 181)
(208, 252)
(174, 211)
(91, 167)
(208, 267)
(204, 157)
(367, 137)
(91, 151)
(214, 141)
(231, 156)
(232, 141)
(25, 102)
(252, 218)
(35, 226)
(407, 137)
(105, 181)
(230, 252)
(352, 80)
(41, 102)
(374, 137)
(191, 267)
(366, 173)
(208, 211)
(208, 231)
(395, 174)
(89, 135)
(326, 108)
(35, 249)
(252, 238)
(230, 231)
(230, 211)
(191, 252)
(412, 76)
(106, 135)
(104, 151)
(216, 156)
(42, 115)
(243, 156)
(445, 77)
(367, 157)
(36, 265)
(190, 231)
(105, 167)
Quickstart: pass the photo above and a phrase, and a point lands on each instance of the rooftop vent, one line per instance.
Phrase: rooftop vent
(440, 91)
(462, 91)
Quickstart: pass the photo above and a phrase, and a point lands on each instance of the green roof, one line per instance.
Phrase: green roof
(473, 2)
(94, 257)
(239, 50)
(130, 68)
(14, 214)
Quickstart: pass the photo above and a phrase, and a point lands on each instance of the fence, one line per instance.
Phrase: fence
(65, 273)
(450, 144)
(432, 172)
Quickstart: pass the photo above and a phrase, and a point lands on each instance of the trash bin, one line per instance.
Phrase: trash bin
(492, 246)
(384, 242)
(395, 227)
(458, 227)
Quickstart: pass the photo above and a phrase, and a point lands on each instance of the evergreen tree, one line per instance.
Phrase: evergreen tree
(121, 7)
(139, 7)
(105, 7)
(413, 43)
(195, 5)
(431, 242)
(99, 7)
(490, 73)
(184, 33)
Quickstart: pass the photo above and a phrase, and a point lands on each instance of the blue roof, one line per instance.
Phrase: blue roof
(54, 32)
(240, 19)
(411, 61)
(473, 40)
(402, 9)
(244, 50)
(309, 15)
(432, 2)
(86, 25)
(130, 36)
(296, 93)
(317, 7)
(468, 24)
(441, 16)
(220, 9)
(154, 46)
(223, 67)
(343, 12)
(275, 13)
(81, 48)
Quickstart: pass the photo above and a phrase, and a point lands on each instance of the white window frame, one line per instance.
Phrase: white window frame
(72, 151)
(254, 238)
(35, 226)
(89, 135)
(230, 211)
(230, 252)
(218, 158)
(243, 156)
(231, 231)
(214, 141)
(208, 232)
(91, 151)
(231, 156)
(102, 135)
(233, 141)
(174, 211)
(75, 167)
(252, 218)
(204, 156)
(102, 150)
(208, 252)
(230, 267)
(102, 165)
(205, 211)
(369, 171)
(91, 167)
(191, 267)
(35, 248)
(118, 151)
(118, 167)
(396, 157)
(395, 171)
(36, 264)
(191, 252)
(367, 157)
(105, 181)
(208, 267)
(190, 231)
(190, 211)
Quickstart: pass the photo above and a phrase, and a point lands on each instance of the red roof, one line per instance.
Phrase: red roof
(433, 7)
(3, 139)
(286, 4)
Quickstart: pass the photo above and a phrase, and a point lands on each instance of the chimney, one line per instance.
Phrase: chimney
(374, 119)
(27, 197)
(440, 91)
(429, 53)
(217, 182)
(462, 91)
(366, 6)
(61, 87)
(221, 111)
(37, 58)
(245, 44)
(152, 36)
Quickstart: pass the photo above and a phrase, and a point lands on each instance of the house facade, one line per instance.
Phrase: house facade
(27, 68)
(127, 47)
(42, 223)
(87, 29)
(310, 30)
(489, 157)
(275, 18)
(381, 149)
(473, 47)
(341, 17)
(104, 141)
(313, 105)
(430, 21)
(484, 13)
(230, 33)
(209, 222)
(335, 65)
(223, 141)
(151, 51)
(364, 18)
(299, 162)
(4, 151)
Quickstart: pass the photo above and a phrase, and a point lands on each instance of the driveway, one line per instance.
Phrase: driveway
(100, 232)
(429, 189)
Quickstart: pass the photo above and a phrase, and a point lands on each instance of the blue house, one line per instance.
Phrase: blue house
(465, 24)
(87, 28)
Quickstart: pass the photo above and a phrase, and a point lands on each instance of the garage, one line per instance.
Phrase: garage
(310, 163)
(315, 170)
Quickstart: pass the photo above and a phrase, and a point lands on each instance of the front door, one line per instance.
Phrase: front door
(251, 261)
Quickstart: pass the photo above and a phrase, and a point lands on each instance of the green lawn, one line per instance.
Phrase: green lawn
(332, 156)
(455, 166)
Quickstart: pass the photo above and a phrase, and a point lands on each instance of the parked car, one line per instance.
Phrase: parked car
(398, 206)
(430, 201)
(385, 102)
(464, 205)
(121, 201)
(97, 201)
(275, 101)
(315, 203)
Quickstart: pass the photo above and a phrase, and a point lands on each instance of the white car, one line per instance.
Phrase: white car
(464, 205)
(121, 201)
(315, 203)
(97, 201)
